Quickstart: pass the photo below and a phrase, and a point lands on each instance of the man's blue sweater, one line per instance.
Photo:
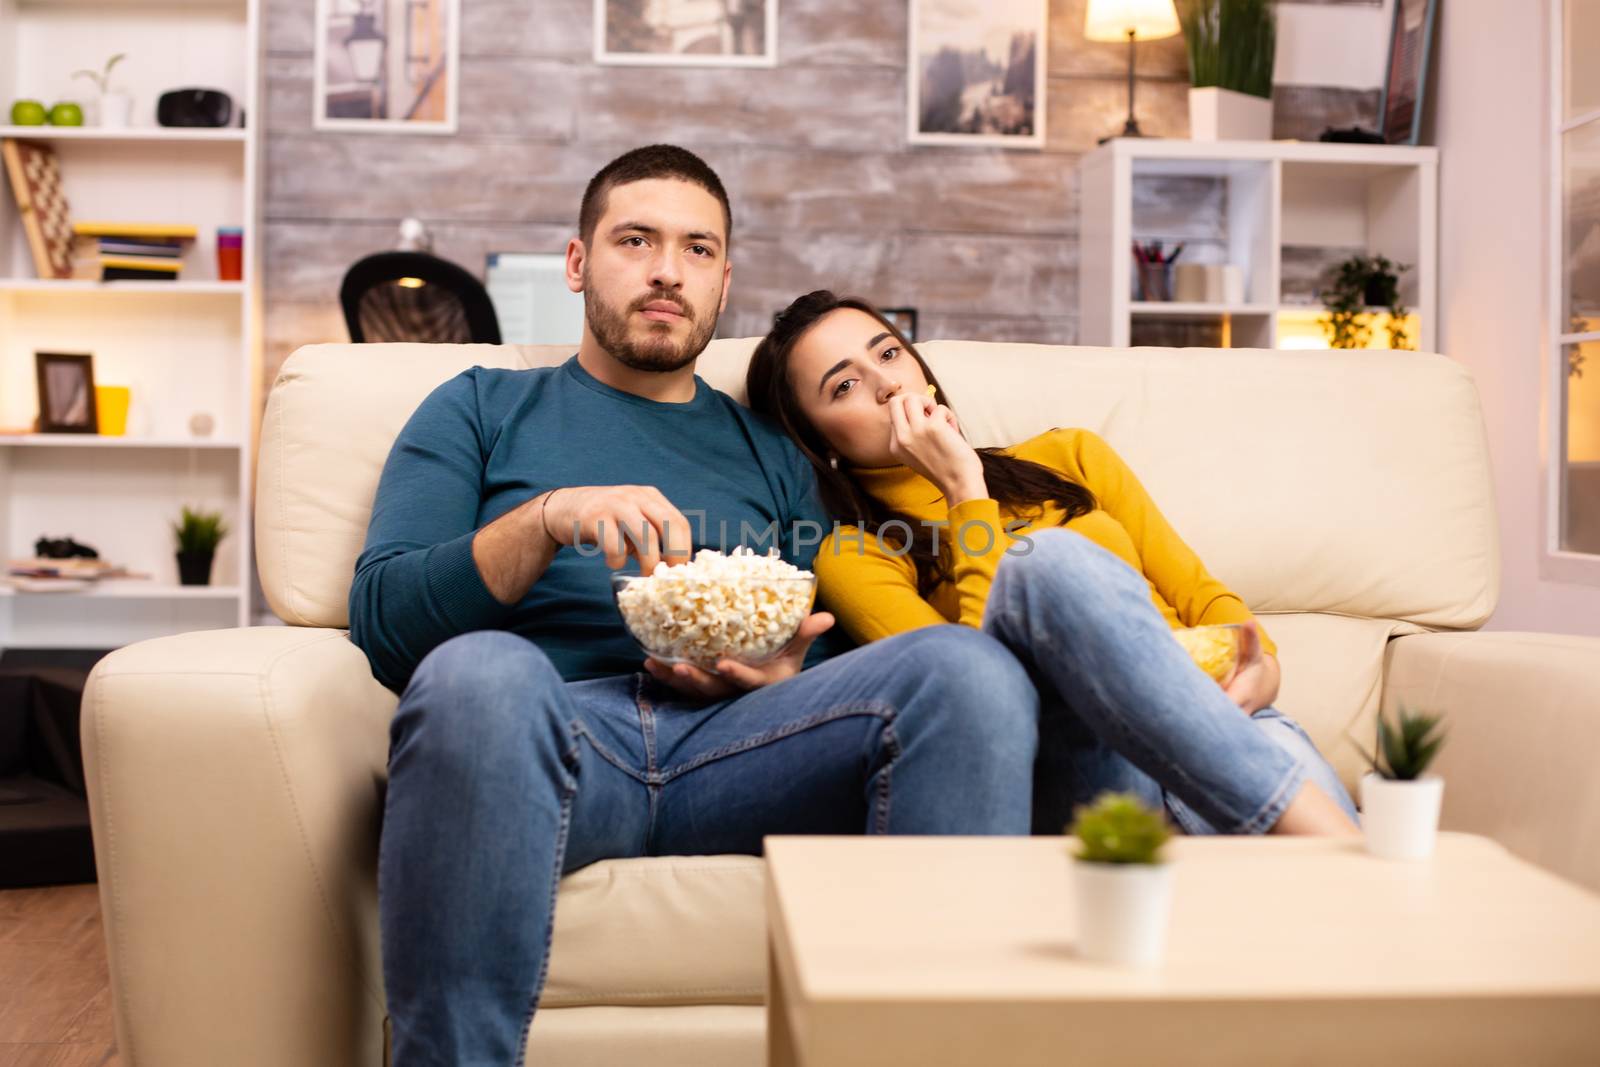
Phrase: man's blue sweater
(487, 441)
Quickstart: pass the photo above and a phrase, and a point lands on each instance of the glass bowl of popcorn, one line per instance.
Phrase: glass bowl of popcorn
(739, 606)
(1214, 649)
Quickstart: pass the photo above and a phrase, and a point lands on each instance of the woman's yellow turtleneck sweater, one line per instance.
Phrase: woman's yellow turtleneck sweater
(874, 592)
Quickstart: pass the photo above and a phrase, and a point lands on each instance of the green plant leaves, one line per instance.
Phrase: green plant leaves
(1407, 748)
(1118, 828)
(1231, 43)
(199, 531)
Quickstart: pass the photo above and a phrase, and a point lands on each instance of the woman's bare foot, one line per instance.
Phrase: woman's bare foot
(1313, 812)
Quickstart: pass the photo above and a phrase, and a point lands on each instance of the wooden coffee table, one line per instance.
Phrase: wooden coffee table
(944, 951)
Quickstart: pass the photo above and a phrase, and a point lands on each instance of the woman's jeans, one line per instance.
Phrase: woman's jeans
(1122, 707)
(502, 777)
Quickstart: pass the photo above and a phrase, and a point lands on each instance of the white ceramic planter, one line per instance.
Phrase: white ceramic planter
(1224, 115)
(1401, 819)
(1123, 910)
(115, 110)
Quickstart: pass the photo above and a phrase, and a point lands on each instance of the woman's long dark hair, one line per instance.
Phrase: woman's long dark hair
(1018, 484)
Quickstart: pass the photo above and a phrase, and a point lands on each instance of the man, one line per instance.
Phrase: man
(527, 743)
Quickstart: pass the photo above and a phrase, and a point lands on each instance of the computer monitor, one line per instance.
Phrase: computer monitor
(531, 298)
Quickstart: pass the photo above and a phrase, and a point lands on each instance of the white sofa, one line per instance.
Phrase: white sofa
(236, 777)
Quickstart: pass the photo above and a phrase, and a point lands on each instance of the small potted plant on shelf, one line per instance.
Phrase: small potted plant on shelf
(1357, 284)
(1122, 887)
(1399, 802)
(114, 107)
(198, 535)
(1231, 48)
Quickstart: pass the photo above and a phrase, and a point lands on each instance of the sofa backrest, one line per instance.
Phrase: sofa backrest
(1349, 483)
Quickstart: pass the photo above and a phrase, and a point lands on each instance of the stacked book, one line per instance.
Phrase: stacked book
(129, 251)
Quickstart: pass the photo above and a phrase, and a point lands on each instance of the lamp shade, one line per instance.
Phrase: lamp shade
(1113, 20)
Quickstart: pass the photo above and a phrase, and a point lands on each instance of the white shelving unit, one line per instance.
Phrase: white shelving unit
(1261, 206)
(185, 347)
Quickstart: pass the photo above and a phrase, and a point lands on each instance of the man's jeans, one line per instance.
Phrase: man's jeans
(502, 777)
(1122, 706)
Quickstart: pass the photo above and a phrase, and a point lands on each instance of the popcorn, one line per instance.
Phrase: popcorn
(932, 390)
(740, 606)
(1214, 649)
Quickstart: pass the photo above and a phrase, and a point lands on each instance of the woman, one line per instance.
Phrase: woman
(1054, 547)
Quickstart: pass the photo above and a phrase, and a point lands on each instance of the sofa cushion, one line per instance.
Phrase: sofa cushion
(660, 930)
(1351, 483)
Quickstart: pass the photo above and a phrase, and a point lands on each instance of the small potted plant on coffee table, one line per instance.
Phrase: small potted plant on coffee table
(1399, 802)
(1122, 887)
(197, 535)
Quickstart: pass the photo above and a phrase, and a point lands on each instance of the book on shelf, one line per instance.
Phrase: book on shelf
(117, 257)
(41, 575)
(137, 230)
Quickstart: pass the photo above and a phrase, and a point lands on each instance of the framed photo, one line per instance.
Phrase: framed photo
(695, 33)
(975, 72)
(66, 393)
(387, 66)
(904, 319)
(1410, 48)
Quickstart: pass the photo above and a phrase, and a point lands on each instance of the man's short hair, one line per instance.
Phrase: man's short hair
(643, 164)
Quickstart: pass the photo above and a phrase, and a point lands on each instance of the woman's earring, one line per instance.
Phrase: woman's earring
(833, 461)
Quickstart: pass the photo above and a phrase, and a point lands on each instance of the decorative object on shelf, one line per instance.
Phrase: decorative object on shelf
(66, 392)
(386, 66)
(130, 251)
(1351, 135)
(1232, 44)
(1208, 283)
(732, 33)
(1154, 262)
(976, 72)
(63, 548)
(1400, 802)
(1359, 283)
(230, 253)
(1406, 81)
(208, 108)
(1122, 888)
(42, 202)
(115, 107)
(66, 113)
(904, 320)
(201, 424)
(198, 535)
(1131, 21)
(28, 113)
(112, 402)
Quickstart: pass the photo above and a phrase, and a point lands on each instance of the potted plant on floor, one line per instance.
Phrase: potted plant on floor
(198, 534)
(1122, 887)
(1359, 283)
(1231, 48)
(1399, 802)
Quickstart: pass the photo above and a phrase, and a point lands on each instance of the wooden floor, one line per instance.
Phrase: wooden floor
(55, 996)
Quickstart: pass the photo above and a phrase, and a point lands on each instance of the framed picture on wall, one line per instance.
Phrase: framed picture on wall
(66, 392)
(1410, 46)
(976, 72)
(700, 33)
(387, 66)
(904, 320)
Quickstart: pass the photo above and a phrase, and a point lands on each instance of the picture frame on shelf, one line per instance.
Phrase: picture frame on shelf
(904, 320)
(66, 392)
(976, 72)
(686, 33)
(1406, 81)
(386, 66)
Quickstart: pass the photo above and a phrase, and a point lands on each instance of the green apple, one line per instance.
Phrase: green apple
(27, 113)
(66, 113)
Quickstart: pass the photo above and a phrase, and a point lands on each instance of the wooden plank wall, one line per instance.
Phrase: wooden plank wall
(825, 190)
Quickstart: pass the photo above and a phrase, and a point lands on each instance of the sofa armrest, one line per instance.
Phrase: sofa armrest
(1523, 714)
(235, 785)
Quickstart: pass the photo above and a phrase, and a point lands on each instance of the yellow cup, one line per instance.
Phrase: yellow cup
(111, 404)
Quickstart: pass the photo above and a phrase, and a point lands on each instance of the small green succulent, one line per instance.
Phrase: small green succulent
(1118, 828)
(1406, 748)
(200, 531)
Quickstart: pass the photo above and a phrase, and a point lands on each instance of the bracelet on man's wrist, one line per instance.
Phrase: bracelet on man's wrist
(544, 519)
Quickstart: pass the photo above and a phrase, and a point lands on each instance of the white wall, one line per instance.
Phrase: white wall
(1494, 181)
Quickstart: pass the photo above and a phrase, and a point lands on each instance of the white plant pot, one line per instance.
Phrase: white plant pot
(1123, 910)
(115, 110)
(1401, 819)
(1224, 115)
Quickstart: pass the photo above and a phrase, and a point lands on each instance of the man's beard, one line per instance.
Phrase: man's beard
(657, 351)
